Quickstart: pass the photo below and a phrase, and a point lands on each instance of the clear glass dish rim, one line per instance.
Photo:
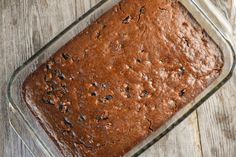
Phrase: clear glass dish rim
(193, 108)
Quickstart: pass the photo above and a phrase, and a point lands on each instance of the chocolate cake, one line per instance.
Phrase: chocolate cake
(122, 78)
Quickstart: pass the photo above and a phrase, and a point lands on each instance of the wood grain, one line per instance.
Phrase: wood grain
(82, 6)
(3, 114)
(217, 122)
(183, 141)
(27, 25)
(228, 9)
(224, 6)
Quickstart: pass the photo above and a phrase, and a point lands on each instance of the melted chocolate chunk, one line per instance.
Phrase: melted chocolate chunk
(127, 20)
(66, 56)
(109, 97)
(94, 94)
(82, 118)
(142, 10)
(182, 93)
(67, 122)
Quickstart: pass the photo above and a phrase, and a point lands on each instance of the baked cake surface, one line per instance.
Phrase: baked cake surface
(122, 78)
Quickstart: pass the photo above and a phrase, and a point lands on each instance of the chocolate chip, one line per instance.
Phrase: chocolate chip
(49, 92)
(120, 46)
(95, 84)
(61, 76)
(66, 56)
(98, 34)
(138, 60)
(82, 118)
(141, 50)
(98, 117)
(182, 92)
(103, 25)
(60, 106)
(186, 41)
(94, 94)
(108, 97)
(185, 24)
(48, 101)
(127, 19)
(104, 85)
(181, 71)
(66, 109)
(67, 122)
(127, 90)
(142, 10)
(85, 144)
(144, 93)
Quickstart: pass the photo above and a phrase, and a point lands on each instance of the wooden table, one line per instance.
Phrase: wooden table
(27, 25)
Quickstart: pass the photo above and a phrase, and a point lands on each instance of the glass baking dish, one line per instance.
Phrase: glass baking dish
(32, 133)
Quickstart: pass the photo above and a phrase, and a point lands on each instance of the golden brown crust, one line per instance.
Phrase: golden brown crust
(122, 78)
